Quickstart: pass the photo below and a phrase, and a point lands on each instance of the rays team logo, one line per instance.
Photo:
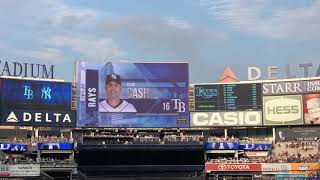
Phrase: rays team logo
(176, 104)
(206, 92)
(113, 76)
(28, 92)
(179, 105)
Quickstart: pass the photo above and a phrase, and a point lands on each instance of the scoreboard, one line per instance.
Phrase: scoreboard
(240, 97)
(227, 97)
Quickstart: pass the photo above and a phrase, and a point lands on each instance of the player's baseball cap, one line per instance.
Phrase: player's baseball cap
(113, 77)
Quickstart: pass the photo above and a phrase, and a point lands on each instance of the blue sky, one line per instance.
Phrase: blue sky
(210, 34)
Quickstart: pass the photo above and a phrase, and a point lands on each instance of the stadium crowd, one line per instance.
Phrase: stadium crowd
(282, 152)
(285, 157)
(244, 140)
(48, 138)
(305, 145)
(141, 138)
(56, 161)
(14, 160)
(25, 140)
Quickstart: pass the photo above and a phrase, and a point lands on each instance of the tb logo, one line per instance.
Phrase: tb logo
(28, 92)
(45, 92)
(179, 105)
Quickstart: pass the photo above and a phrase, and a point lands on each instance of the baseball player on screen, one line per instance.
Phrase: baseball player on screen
(113, 103)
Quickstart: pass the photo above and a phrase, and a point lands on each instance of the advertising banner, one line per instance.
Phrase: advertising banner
(311, 108)
(255, 147)
(282, 110)
(234, 97)
(232, 118)
(133, 94)
(304, 168)
(222, 145)
(209, 167)
(13, 147)
(220, 151)
(256, 153)
(276, 168)
(298, 134)
(291, 176)
(26, 117)
(20, 170)
(32, 94)
(291, 87)
(55, 146)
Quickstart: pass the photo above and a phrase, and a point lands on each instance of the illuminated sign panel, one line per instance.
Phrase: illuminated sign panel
(55, 146)
(119, 94)
(228, 97)
(28, 117)
(31, 94)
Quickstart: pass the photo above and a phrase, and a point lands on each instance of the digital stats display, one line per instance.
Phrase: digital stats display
(32, 94)
(228, 97)
(240, 96)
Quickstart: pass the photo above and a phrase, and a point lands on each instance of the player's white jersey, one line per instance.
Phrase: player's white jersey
(124, 106)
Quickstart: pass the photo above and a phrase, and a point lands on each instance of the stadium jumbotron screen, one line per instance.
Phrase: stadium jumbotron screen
(133, 94)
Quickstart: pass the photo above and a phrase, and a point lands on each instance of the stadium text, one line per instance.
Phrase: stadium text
(226, 118)
(138, 93)
(283, 108)
(255, 73)
(92, 97)
(39, 117)
(291, 87)
(26, 70)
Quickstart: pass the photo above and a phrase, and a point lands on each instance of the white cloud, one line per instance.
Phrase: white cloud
(91, 48)
(66, 16)
(173, 36)
(268, 18)
(44, 14)
(53, 31)
(178, 22)
(50, 54)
